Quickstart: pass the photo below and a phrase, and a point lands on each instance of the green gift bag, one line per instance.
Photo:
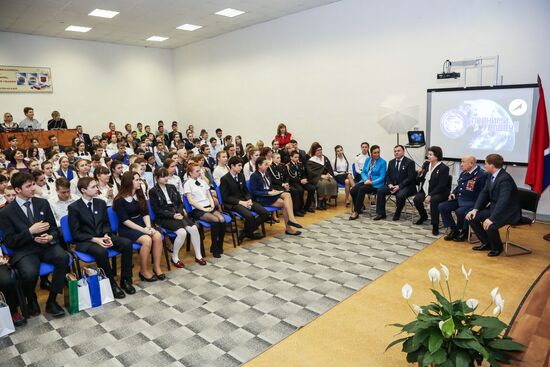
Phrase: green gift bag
(71, 296)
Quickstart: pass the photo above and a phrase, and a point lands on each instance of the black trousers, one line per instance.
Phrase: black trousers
(29, 268)
(434, 206)
(7, 287)
(251, 223)
(101, 255)
(400, 199)
(490, 237)
(298, 197)
(358, 193)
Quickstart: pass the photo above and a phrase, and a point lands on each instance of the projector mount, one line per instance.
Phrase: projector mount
(478, 64)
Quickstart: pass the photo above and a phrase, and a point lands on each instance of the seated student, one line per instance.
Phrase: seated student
(42, 189)
(221, 168)
(204, 136)
(204, 206)
(84, 137)
(264, 194)
(53, 143)
(61, 199)
(297, 179)
(116, 174)
(32, 154)
(235, 197)
(228, 140)
(342, 171)
(121, 154)
(82, 169)
(196, 146)
(136, 168)
(106, 190)
(500, 193)
(49, 175)
(206, 175)
(34, 165)
(434, 187)
(462, 199)
(112, 147)
(7, 287)
(3, 162)
(95, 163)
(278, 176)
(82, 152)
(249, 167)
(321, 175)
(167, 204)
(209, 162)
(3, 183)
(29, 122)
(400, 181)
(360, 160)
(214, 147)
(160, 152)
(219, 138)
(57, 122)
(91, 231)
(372, 179)
(18, 161)
(41, 153)
(173, 179)
(9, 195)
(9, 152)
(135, 224)
(30, 230)
(8, 124)
(231, 151)
(65, 169)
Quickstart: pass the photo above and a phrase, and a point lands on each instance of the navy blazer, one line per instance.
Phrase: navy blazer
(503, 199)
(439, 180)
(82, 227)
(406, 175)
(257, 188)
(232, 191)
(70, 174)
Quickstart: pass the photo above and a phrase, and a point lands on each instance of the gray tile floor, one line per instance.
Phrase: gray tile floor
(228, 312)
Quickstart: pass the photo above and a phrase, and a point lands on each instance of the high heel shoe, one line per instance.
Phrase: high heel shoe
(201, 262)
(159, 276)
(154, 278)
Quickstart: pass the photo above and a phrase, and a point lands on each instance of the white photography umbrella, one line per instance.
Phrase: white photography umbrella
(396, 117)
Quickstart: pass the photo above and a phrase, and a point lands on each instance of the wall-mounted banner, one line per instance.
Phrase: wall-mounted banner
(21, 79)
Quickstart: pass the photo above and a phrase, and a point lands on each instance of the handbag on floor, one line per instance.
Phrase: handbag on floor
(6, 322)
(84, 300)
(71, 296)
(92, 279)
(105, 287)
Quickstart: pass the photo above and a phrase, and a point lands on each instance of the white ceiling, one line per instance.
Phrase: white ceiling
(140, 19)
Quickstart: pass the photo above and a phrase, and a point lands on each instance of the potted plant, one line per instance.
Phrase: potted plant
(450, 333)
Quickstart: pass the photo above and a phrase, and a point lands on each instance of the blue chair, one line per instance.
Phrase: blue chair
(83, 256)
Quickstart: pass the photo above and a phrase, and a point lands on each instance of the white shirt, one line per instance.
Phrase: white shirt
(219, 172)
(103, 194)
(214, 151)
(342, 166)
(426, 184)
(359, 162)
(60, 208)
(166, 196)
(248, 169)
(494, 175)
(176, 181)
(30, 124)
(198, 193)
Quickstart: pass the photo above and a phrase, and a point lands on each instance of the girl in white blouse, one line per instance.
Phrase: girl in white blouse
(250, 166)
(221, 168)
(342, 171)
(106, 191)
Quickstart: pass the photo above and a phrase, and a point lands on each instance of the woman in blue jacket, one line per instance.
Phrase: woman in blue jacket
(372, 178)
(263, 193)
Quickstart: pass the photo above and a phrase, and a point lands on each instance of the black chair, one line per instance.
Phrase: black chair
(529, 200)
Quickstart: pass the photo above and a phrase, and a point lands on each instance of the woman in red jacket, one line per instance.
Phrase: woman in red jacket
(283, 136)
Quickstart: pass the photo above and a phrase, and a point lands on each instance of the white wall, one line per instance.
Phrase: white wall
(93, 82)
(325, 71)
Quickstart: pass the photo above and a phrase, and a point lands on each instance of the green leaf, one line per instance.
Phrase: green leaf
(397, 325)
(435, 341)
(465, 334)
(439, 357)
(442, 300)
(489, 322)
(490, 333)
(413, 357)
(462, 359)
(396, 342)
(448, 327)
(506, 344)
(419, 338)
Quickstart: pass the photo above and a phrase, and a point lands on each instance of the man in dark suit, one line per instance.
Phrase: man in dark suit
(209, 162)
(151, 163)
(53, 143)
(30, 230)
(84, 137)
(501, 193)
(470, 183)
(173, 133)
(237, 198)
(12, 140)
(400, 181)
(91, 231)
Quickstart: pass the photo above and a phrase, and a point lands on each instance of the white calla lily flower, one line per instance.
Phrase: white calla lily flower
(496, 311)
(499, 301)
(494, 293)
(407, 291)
(445, 271)
(466, 272)
(434, 275)
(472, 303)
(417, 308)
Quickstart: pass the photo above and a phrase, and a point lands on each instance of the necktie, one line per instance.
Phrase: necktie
(492, 179)
(397, 163)
(51, 179)
(29, 211)
(266, 182)
(91, 211)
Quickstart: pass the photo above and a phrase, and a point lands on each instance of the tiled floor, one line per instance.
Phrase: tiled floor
(225, 313)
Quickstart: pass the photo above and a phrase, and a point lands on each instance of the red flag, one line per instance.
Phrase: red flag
(538, 168)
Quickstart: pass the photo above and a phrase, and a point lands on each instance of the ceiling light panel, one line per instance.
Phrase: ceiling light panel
(157, 39)
(230, 12)
(189, 27)
(104, 13)
(76, 28)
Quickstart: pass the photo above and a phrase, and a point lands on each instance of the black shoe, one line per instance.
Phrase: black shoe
(33, 306)
(451, 236)
(217, 256)
(54, 309)
(117, 292)
(421, 220)
(126, 285)
(435, 230)
(241, 237)
(161, 276)
(256, 236)
(461, 237)
(353, 218)
(18, 320)
(396, 218)
(311, 209)
(299, 214)
(297, 233)
(45, 284)
(482, 247)
(152, 279)
(493, 253)
(294, 224)
(379, 217)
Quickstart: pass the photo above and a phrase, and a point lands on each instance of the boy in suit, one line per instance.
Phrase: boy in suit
(30, 230)
(237, 198)
(91, 230)
(501, 194)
